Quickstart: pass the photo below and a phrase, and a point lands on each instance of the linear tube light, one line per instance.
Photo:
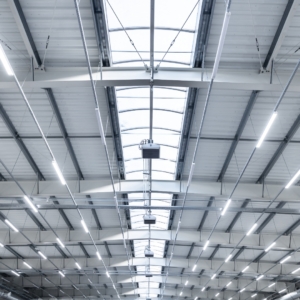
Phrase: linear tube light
(217, 294)
(78, 266)
(293, 180)
(11, 225)
(27, 265)
(180, 294)
(228, 258)
(213, 277)
(107, 274)
(271, 284)
(242, 290)
(195, 298)
(42, 255)
(203, 289)
(58, 172)
(295, 271)
(99, 256)
(84, 226)
(186, 282)
(191, 174)
(251, 229)
(100, 126)
(271, 246)
(266, 129)
(230, 298)
(225, 207)
(17, 274)
(28, 201)
(221, 44)
(60, 242)
(285, 259)
(253, 295)
(98, 292)
(205, 245)
(194, 268)
(76, 288)
(1, 245)
(282, 291)
(61, 274)
(245, 269)
(260, 277)
(5, 62)
(229, 283)
(90, 281)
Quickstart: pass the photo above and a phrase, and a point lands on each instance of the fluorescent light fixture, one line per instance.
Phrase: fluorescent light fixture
(107, 274)
(205, 245)
(180, 294)
(297, 270)
(99, 256)
(78, 266)
(76, 287)
(118, 296)
(245, 269)
(217, 294)
(60, 242)
(195, 298)
(17, 274)
(5, 62)
(191, 174)
(271, 284)
(225, 207)
(266, 129)
(31, 204)
(251, 229)
(47, 280)
(58, 172)
(203, 289)
(27, 265)
(98, 292)
(228, 258)
(221, 44)
(271, 246)
(186, 282)
(253, 295)
(282, 291)
(61, 274)
(90, 281)
(114, 286)
(194, 267)
(84, 226)
(11, 226)
(1, 245)
(229, 283)
(230, 298)
(293, 180)
(213, 277)
(260, 277)
(100, 126)
(285, 259)
(242, 290)
(42, 255)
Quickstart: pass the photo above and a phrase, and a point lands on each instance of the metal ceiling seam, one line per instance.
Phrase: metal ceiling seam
(101, 127)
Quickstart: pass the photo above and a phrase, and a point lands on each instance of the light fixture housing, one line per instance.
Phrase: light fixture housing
(186, 282)
(27, 265)
(271, 284)
(61, 274)
(271, 246)
(225, 207)
(228, 258)
(280, 292)
(213, 277)
(285, 259)
(205, 245)
(149, 219)
(253, 295)
(107, 274)
(98, 255)
(60, 242)
(260, 141)
(78, 265)
(58, 172)
(15, 273)
(42, 255)
(251, 229)
(194, 268)
(245, 269)
(5, 62)
(203, 289)
(84, 226)
(242, 290)
(11, 226)
(293, 180)
(260, 277)
(295, 271)
(29, 202)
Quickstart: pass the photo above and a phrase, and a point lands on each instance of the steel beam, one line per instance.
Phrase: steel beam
(238, 253)
(84, 250)
(107, 249)
(292, 228)
(14, 252)
(209, 204)
(64, 216)
(280, 150)
(62, 253)
(94, 214)
(2, 178)
(191, 251)
(281, 32)
(238, 134)
(245, 203)
(63, 131)
(24, 30)
(10, 126)
(269, 218)
(214, 252)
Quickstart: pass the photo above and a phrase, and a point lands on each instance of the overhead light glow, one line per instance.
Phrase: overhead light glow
(228, 258)
(205, 245)
(229, 283)
(242, 290)
(253, 295)
(285, 259)
(226, 207)
(42, 255)
(282, 291)
(180, 294)
(260, 277)
(114, 286)
(213, 276)
(266, 129)
(5, 62)
(194, 268)
(90, 281)
(297, 270)
(186, 282)
(107, 274)
(245, 269)
(61, 274)
(84, 226)
(27, 265)
(58, 172)
(271, 246)
(271, 284)
(60, 242)
(217, 294)
(1, 245)
(78, 266)
(76, 287)
(195, 298)
(99, 256)
(293, 180)
(17, 274)
(28, 201)
(230, 298)
(251, 229)
(11, 226)
(203, 289)
(98, 292)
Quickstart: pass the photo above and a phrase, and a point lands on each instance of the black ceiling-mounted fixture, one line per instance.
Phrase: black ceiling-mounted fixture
(149, 149)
